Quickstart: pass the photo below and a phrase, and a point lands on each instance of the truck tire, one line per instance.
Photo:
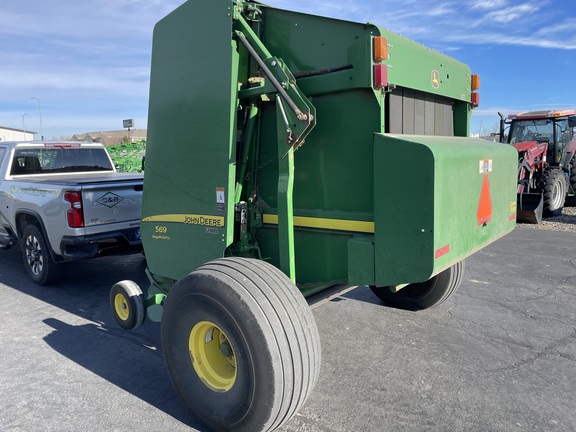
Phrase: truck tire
(424, 295)
(552, 183)
(127, 304)
(241, 345)
(36, 255)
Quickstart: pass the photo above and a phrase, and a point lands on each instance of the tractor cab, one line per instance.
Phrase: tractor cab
(553, 127)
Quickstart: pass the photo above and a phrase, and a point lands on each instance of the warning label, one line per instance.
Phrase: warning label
(485, 166)
(220, 200)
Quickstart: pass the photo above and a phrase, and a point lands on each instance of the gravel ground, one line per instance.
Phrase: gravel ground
(565, 222)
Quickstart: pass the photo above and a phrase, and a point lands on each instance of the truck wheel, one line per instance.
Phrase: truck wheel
(553, 185)
(127, 304)
(240, 344)
(424, 295)
(36, 255)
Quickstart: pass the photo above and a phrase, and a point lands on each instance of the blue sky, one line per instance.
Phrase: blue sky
(88, 61)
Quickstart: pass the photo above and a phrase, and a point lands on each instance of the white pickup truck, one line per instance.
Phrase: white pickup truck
(63, 201)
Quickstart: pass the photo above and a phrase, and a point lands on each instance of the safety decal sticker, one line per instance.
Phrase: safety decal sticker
(220, 200)
(485, 166)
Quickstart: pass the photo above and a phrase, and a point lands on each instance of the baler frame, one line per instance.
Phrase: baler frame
(242, 219)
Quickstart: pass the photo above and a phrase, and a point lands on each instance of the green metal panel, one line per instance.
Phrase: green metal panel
(416, 66)
(189, 178)
(361, 261)
(448, 198)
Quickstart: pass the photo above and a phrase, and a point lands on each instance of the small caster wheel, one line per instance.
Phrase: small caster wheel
(127, 304)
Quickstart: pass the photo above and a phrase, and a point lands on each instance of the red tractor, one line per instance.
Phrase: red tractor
(546, 144)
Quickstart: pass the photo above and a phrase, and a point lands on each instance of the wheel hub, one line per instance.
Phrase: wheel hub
(212, 356)
(34, 255)
(121, 307)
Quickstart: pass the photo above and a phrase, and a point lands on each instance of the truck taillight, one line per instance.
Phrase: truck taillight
(75, 214)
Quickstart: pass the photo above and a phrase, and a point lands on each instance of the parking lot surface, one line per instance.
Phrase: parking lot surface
(499, 355)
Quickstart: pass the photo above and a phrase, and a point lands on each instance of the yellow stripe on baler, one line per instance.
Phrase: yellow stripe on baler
(323, 223)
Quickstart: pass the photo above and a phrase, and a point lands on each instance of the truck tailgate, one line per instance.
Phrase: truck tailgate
(119, 202)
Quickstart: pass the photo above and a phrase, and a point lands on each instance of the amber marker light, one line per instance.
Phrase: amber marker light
(475, 82)
(380, 48)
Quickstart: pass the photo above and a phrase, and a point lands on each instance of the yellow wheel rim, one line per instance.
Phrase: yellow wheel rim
(212, 356)
(121, 307)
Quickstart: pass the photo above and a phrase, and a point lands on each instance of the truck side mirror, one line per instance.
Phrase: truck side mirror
(143, 159)
(571, 122)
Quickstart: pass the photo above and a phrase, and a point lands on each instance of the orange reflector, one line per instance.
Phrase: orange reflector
(484, 213)
(380, 76)
(380, 48)
(475, 82)
(475, 99)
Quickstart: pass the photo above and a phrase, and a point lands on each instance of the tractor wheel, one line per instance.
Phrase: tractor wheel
(39, 264)
(573, 183)
(127, 304)
(240, 344)
(423, 295)
(552, 183)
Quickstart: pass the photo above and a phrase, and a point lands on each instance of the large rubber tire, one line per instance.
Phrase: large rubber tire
(552, 183)
(240, 344)
(424, 295)
(127, 304)
(573, 184)
(36, 255)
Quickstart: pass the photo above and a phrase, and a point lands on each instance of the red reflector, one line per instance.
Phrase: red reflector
(75, 214)
(442, 251)
(380, 76)
(475, 99)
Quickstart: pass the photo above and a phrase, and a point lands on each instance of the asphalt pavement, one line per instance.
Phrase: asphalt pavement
(499, 355)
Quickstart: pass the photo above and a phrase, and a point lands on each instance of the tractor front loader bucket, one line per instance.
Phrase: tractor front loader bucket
(530, 208)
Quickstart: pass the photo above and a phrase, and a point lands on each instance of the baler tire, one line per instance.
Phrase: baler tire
(127, 304)
(241, 345)
(36, 255)
(424, 295)
(552, 183)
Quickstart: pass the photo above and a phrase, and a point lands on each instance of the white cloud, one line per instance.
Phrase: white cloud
(488, 4)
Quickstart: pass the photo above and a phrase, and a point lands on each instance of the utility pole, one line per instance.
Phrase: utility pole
(24, 125)
(40, 114)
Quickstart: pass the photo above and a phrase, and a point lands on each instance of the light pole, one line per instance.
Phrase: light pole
(40, 115)
(24, 125)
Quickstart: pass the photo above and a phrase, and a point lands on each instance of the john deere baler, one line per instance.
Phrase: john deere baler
(288, 153)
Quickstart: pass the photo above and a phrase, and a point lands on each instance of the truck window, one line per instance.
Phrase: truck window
(59, 160)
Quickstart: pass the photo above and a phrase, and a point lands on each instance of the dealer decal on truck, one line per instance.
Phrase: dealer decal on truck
(109, 199)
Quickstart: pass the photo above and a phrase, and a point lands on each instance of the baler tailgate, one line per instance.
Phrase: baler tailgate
(451, 197)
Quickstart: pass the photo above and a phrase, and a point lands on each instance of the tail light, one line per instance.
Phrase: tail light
(75, 214)
(475, 99)
(475, 85)
(380, 54)
(380, 76)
